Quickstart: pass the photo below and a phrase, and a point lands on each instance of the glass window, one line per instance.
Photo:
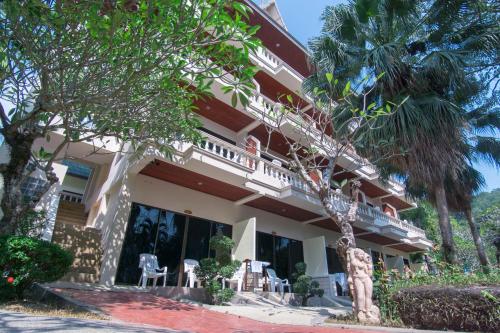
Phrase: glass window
(283, 253)
(377, 258)
(169, 243)
(139, 238)
(198, 239)
(296, 256)
(265, 247)
(151, 230)
(333, 260)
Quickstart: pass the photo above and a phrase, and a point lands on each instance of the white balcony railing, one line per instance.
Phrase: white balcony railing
(281, 177)
(275, 63)
(227, 151)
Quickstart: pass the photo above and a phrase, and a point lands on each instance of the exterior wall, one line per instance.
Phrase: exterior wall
(244, 236)
(156, 193)
(245, 220)
(315, 256)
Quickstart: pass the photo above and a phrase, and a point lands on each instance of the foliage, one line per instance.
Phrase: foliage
(441, 57)
(386, 287)
(486, 207)
(219, 267)
(27, 260)
(32, 223)
(304, 286)
(473, 309)
(96, 70)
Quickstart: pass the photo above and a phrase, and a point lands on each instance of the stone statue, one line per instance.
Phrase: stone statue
(360, 269)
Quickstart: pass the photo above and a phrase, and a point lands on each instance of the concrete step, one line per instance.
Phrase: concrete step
(77, 277)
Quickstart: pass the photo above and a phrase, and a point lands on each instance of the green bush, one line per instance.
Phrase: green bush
(25, 260)
(399, 301)
(469, 309)
(213, 269)
(304, 286)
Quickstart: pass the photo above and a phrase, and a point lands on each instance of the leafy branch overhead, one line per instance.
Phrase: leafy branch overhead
(104, 71)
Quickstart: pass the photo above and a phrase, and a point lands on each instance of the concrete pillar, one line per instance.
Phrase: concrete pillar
(244, 236)
(315, 256)
(114, 228)
(50, 201)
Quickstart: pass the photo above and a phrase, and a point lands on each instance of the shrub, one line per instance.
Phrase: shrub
(458, 302)
(455, 308)
(25, 260)
(212, 269)
(304, 286)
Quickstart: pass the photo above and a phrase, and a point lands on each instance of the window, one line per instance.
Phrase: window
(161, 232)
(377, 260)
(333, 261)
(283, 253)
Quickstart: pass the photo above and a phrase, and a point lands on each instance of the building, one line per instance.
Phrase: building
(108, 208)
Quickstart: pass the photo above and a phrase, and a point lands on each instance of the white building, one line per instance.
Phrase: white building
(114, 206)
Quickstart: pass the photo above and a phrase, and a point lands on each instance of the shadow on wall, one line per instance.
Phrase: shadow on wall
(114, 221)
(85, 245)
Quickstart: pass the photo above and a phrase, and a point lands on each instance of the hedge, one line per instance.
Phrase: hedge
(472, 308)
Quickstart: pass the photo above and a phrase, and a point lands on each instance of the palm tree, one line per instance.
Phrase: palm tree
(440, 57)
(460, 195)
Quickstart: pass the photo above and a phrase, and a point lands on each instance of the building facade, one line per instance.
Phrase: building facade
(114, 205)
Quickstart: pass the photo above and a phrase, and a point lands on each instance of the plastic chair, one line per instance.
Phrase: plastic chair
(275, 281)
(151, 270)
(189, 266)
(341, 279)
(237, 278)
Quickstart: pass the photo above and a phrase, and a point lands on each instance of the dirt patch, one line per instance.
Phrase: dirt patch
(49, 310)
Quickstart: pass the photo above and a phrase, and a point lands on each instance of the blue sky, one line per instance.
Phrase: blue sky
(302, 19)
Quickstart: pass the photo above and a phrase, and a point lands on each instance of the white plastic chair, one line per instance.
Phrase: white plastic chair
(275, 281)
(150, 270)
(189, 266)
(341, 279)
(237, 278)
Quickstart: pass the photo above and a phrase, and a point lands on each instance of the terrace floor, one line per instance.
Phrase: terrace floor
(149, 309)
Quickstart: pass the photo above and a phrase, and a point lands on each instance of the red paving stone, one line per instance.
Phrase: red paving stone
(145, 308)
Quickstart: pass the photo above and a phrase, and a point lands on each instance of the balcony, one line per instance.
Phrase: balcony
(277, 68)
(286, 183)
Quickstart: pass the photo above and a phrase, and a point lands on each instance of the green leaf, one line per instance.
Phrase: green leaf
(329, 77)
(234, 99)
(289, 98)
(347, 89)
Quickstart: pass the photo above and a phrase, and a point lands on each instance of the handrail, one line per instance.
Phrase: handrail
(287, 177)
(265, 54)
(227, 151)
(70, 197)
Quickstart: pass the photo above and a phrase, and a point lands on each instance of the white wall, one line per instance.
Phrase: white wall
(244, 237)
(315, 256)
(153, 192)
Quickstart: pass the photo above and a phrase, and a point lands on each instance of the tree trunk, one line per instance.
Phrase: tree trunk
(13, 203)
(345, 242)
(474, 230)
(449, 251)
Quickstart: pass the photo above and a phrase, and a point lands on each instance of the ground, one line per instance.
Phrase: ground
(13, 322)
(145, 308)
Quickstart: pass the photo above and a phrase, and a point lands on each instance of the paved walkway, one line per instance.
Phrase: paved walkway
(12, 322)
(145, 308)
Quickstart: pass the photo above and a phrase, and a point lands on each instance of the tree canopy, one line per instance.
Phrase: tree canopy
(441, 58)
(129, 70)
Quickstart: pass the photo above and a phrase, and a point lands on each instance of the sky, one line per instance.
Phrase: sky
(302, 18)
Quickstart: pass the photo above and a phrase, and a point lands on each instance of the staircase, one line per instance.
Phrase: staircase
(83, 242)
(71, 213)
